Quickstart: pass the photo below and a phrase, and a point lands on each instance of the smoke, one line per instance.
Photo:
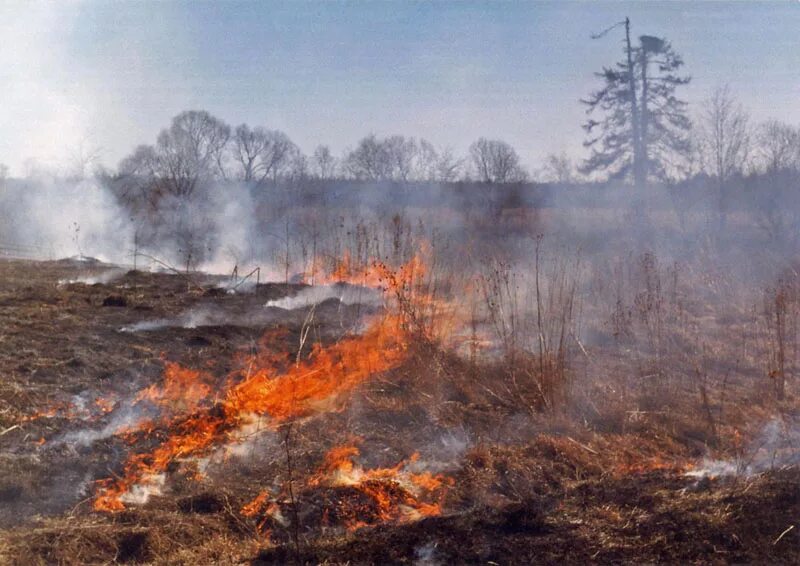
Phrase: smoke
(425, 555)
(345, 294)
(56, 219)
(207, 315)
(278, 310)
(102, 278)
(140, 493)
(777, 446)
(125, 418)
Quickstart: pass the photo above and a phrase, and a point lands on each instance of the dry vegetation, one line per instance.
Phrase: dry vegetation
(522, 399)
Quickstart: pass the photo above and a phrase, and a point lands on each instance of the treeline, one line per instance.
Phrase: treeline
(199, 147)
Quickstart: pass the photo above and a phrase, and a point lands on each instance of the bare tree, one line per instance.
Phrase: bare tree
(495, 161)
(427, 160)
(400, 153)
(137, 179)
(434, 165)
(449, 167)
(775, 198)
(368, 161)
(190, 151)
(246, 147)
(83, 159)
(778, 146)
(559, 168)
(298, 168)
(394, 158)
(724, 142)
(260, 154)
(323, 163)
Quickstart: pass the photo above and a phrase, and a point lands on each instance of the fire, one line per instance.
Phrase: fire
(307, 386)
(104, 405)
(372, 273)
(400, 495)
(58, 409)
(644, 465)
(353, 497)
(252, 508)
(183, 389)
(264, 389)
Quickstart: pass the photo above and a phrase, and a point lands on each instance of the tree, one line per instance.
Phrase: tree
(774, 188)
(84, 158)
(724, 142)
(642, 122)
(448, 167)
(558, 168)
(495, 161)
(368, 161)
(778, 146)
(260, 154)
(436, 166)
(401, 154)
(190, 151)
(389, 159)
(323, 162)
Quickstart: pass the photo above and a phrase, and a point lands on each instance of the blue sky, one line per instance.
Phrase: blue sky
(112, 74)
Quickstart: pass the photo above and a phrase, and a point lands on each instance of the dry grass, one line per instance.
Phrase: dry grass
(562, 390)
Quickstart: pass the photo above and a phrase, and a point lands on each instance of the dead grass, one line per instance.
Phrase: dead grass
(584, 392)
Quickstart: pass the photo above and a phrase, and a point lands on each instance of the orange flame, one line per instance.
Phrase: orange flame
(399, 493)
(183, 389)
(306, 387)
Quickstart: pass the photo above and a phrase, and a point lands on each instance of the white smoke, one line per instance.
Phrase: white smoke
(125, 419)
(777, 446)
(66, 219)
(101, 278)
(346, 294)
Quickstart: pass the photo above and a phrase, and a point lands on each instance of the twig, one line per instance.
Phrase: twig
(583, 446)
(293, 501)
(777, 540)
(174, 270)
(578, 342)
(6, 431)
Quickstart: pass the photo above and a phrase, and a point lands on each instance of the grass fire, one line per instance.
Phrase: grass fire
(237, 348)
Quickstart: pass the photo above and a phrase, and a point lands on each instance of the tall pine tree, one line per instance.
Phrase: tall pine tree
(637, 126)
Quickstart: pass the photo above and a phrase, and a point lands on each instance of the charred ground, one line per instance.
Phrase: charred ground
(600, 478)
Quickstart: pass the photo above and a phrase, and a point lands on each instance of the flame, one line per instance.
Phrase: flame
(183, 389)
(643, 465)
(372, 273)
(58, 409)
(264, 389)
(399, 493)
(105, 405)
(253, 507)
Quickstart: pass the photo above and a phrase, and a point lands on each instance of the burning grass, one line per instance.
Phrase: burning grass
(306, 387)
(452, 420)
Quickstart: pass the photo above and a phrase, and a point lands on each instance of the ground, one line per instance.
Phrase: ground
(504, 482)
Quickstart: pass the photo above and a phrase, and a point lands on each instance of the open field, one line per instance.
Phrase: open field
(374, 283)
(587, 406)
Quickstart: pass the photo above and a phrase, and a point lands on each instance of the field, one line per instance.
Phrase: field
(577, 396)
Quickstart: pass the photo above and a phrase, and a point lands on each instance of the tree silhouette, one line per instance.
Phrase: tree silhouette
(636, 122)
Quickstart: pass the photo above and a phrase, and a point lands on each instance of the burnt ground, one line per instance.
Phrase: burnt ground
(526, 487)
(64, 351)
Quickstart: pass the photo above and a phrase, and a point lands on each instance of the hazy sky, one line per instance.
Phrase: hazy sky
(112, 74)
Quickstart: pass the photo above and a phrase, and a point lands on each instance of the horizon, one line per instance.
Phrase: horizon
(111, 76)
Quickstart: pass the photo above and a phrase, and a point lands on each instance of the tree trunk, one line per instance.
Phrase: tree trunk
(638, 177)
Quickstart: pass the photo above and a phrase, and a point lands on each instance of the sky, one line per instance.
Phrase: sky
(85, 75)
